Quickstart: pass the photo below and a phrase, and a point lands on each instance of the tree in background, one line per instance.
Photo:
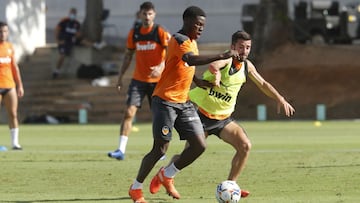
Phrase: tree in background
(92, 26)
(272, 27)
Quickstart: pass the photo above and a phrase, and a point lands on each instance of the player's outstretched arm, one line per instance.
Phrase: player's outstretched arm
(270, 91)
(196, 60)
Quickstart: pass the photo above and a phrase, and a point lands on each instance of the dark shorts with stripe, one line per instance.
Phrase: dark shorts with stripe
(4, 91)
(181, 116)
(213, 126)
(137, 91)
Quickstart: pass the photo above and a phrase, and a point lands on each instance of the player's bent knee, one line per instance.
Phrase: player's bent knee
(243, 148)
(200, 148)
(246, 147)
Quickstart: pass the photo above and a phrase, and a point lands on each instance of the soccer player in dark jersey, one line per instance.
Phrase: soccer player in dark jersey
(171, 107)
(67, 35)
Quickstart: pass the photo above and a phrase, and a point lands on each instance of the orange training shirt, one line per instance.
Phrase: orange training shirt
(148, 53)
(176, 79)
(6, 65)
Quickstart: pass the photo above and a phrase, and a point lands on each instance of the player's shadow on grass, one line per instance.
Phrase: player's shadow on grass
(330, 166)
(122, 199)
(71, 200)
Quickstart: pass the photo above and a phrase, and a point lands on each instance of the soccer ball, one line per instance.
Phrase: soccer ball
(228, 192)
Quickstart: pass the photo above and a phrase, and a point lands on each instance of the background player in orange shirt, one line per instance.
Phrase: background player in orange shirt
(149, 42)
(11, 86)
(171, 107)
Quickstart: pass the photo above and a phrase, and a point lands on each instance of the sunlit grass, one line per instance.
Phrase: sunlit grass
(289, 162)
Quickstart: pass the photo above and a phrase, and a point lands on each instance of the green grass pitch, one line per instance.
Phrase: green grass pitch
(290, 162)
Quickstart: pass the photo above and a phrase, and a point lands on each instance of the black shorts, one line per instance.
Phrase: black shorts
(213, 126)
(65, 48)
(137, 91)
(181, 116)
(4, 91)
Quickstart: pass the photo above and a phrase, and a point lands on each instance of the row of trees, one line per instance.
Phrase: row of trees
(272, 27)
(92, 26)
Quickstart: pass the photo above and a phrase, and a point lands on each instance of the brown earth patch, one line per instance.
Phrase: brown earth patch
(308, 75)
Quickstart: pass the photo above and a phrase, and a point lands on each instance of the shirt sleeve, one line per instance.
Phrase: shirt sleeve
(185, 48)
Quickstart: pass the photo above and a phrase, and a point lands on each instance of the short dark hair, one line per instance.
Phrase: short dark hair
(73, 10)
(240, 34)
(147, 5)
(192, 12)
(3, 24)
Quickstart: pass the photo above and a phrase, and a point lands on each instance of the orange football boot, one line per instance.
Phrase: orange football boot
(137, 195)
(168, 183)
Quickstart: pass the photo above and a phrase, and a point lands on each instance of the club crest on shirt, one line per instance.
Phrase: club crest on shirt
(165, 130)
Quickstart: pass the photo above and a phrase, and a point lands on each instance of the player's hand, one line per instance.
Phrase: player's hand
(119, 85)
(155, 72)
(289, 110)
(231, 53)
(20, 92)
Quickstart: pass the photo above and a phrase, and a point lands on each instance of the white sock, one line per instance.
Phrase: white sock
(136, 185)
(14, 132)
(122, 143)
(171, 171)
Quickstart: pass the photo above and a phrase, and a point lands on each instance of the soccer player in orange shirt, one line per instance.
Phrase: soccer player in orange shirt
(149, 42)
(171, 107)
(11, 86)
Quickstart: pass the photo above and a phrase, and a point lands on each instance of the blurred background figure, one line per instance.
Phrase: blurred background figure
(67, 35)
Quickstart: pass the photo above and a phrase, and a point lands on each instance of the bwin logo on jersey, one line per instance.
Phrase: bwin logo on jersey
(70, 30)
(145, 47)
(225, 97)
(5, 60)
